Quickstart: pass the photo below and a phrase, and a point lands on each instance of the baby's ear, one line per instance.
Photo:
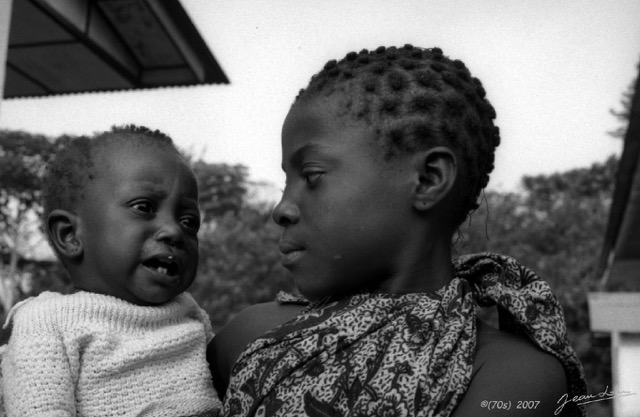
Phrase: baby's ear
(62, 227)
(437, 170)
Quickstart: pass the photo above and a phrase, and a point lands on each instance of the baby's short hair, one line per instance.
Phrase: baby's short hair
(415, 99)
(73, 166)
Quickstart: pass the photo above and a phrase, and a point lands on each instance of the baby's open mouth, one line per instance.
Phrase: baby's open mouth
(166, 265)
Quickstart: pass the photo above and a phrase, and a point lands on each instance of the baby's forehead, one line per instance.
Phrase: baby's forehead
(129, 144)
(128, 162)
(111, 151)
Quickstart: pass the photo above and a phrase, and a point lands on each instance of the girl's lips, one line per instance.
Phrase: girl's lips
(291, 252)
(289, 258)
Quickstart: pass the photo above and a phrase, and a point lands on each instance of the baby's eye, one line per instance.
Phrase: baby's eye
(190, 222)
(143, 206)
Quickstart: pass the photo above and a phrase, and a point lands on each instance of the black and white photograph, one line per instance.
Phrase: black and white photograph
(223, 208)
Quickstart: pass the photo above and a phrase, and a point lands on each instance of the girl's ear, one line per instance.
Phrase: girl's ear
(62, 227)
(437, 171)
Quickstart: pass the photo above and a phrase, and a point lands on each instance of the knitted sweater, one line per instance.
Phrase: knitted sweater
(89, 354)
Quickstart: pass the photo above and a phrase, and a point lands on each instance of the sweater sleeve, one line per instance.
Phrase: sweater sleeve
(37, 375)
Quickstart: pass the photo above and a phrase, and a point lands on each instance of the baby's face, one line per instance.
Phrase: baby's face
(138, 223)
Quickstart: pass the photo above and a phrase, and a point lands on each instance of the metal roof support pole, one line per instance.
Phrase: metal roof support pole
(5, 23)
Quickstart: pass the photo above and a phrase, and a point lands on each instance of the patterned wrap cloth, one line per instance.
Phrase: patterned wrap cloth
(396, 354)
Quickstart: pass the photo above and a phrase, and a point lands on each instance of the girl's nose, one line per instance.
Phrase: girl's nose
(286, 212)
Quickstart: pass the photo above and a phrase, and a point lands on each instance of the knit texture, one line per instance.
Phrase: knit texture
(89, 354)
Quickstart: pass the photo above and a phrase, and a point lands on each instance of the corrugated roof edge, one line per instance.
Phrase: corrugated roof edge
(107, 91)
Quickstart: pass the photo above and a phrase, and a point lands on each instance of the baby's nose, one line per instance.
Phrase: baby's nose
(170, 233)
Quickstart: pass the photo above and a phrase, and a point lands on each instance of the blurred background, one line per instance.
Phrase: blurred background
(561, 75)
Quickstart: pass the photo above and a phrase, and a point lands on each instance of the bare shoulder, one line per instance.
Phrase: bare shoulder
(514, 373)
(244, 328)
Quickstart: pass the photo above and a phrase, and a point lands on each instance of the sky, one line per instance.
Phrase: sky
(552, 69)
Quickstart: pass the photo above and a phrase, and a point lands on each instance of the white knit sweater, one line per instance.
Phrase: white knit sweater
(89, 354)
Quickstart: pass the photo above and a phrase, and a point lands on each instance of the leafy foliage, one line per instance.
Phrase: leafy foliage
(239, 263)
(239, 259)
(23, 158)
(22, 161)
(624, 113)
(222, 188)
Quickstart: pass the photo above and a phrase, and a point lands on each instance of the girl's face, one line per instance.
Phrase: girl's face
(344, 209)
(138, 224)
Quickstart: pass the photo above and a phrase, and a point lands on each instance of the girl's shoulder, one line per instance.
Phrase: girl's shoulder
(244, 328)
(494, 344)
(512, 372)
(249, 324)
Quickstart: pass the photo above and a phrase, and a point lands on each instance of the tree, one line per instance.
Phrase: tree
(239, 263)
(239, 259)
(23, 158)
(624, 113)
(222, 188)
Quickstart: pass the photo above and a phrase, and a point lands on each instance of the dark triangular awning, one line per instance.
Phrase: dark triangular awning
(620, 259)
(74, 46)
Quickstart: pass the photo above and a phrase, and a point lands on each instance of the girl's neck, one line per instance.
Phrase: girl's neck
(424, 269)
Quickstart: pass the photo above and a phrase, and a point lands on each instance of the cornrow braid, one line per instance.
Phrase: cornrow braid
(73, 166)
(415, 99)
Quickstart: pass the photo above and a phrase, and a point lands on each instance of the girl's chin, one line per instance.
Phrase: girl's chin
(314, 292)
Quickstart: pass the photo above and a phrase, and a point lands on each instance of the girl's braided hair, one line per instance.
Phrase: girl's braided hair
(415, 99)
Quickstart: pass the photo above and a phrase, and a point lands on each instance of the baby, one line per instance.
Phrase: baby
(121, 213)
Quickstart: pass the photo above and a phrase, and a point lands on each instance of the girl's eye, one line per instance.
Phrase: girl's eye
(312, 177)
(145, 207)
(190, 222)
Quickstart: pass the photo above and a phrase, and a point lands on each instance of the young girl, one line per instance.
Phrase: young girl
(385, 153)
(122, 215)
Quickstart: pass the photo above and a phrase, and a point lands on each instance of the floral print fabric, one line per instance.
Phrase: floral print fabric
(395, 354)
